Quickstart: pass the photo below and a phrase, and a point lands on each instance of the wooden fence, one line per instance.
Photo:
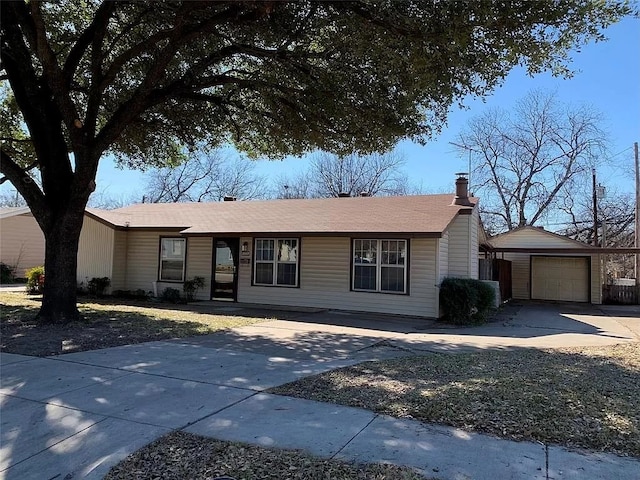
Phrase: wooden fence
(498, 270)
(621, 294)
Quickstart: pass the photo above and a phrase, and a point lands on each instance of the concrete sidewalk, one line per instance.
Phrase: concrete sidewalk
(76, 415)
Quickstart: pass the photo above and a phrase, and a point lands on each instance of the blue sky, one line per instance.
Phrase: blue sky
(607, 78)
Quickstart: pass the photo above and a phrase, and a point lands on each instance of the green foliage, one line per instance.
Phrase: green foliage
(393, 70)
(35, 279)
(191, 287)
(171, 295)
(465, 301)
(6, 273)
(97, 285)
(138, 294)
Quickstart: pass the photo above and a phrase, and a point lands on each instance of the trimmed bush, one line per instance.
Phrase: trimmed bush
(138, 294)
(6, 273)
(97, 285)
(35, 279)
(465, 301)
(191, 287)
(170, 295)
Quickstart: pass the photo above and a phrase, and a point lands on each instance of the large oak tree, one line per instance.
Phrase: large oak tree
(142, 80)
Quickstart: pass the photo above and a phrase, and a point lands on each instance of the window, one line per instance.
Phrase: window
(380, 265)
(276, 262)
(172, 255)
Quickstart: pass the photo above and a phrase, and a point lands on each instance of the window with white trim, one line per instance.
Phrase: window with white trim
(172, 256)
(276, 262)
(379, 265)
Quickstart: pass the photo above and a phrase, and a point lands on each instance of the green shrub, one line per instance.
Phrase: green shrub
(6, 273)
(138, 294)
(97, 285)
(170, 295)
(35, 279)
(465, 301)
(191, 287)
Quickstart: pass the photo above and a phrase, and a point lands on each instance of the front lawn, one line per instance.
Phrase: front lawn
(585, 397)
(107, 323)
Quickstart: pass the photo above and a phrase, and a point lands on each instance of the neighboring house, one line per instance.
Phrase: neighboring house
(548, 266)
(21, 240)
(375, 254)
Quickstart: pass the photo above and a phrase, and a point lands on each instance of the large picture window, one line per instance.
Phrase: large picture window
(380, 265)
(276, 262)
(172, 256)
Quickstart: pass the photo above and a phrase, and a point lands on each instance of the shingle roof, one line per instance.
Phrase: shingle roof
(6, 212)
(416, 214)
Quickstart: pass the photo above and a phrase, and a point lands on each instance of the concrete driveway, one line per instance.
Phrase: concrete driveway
(323, 335)
(76, 415)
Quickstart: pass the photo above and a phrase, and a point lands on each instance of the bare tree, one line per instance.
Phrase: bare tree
(103, 199)
(11, 198)
(331, 175)
(205, 177)
(616, 223)
(294, 186)
(375, 174)
(528, 159)
(615, 219)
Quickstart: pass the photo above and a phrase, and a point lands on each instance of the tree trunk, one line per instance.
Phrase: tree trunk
(60, 266)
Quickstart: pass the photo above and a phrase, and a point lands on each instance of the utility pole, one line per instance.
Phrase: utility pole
(595, 209)
(637, 240)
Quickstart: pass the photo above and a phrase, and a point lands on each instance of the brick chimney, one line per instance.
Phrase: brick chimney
(229, 198)
(462, 193)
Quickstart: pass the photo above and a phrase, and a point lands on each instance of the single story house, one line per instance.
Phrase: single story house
(374, 254)
(21, 240)
(548, 266)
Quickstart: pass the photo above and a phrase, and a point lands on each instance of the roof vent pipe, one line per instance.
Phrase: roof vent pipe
(462, 193)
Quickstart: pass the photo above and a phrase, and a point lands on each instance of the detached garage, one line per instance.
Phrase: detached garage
(548, 266)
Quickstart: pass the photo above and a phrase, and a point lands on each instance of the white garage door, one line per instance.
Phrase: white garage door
(560, 278)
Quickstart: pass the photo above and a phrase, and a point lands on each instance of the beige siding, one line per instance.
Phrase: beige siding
(463, 246)
(442, 268)
(21, 243)
(119, 274)
(596, 275)
(95, 251)
(325, 265)
(143, 252)
(520, 283)
(443, 248)
(532, 237)
(142, 261)
(520, 267)
(199, 263)
(474, 244)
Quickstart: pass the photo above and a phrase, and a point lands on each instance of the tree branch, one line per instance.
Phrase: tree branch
(24, 184)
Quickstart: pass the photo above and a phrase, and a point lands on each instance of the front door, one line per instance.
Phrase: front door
(225, 269)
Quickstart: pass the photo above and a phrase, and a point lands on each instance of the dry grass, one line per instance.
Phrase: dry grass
(585, 397)
(181, 455)
(107, 323)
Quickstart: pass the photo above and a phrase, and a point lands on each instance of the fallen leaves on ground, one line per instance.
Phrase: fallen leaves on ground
(181, 455)
(585, 397)
(106, 323)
